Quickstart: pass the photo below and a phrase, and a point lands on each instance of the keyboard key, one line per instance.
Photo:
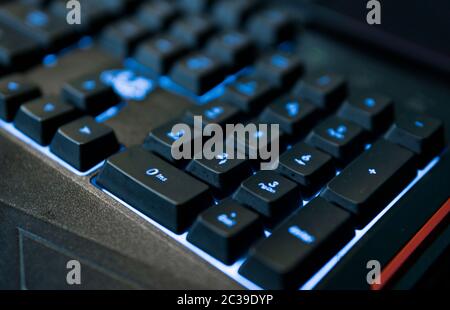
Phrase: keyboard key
(193, 30)
(198, 73)
(294, 115)
(234, 13)
(271, 27)
(339, 138)
(48, 30)
(214, 112)
(222, 173)
(421, 134)
(122, 37)
(160, 141)
(41, 118)
(233, 48)
(269, 194)
(16, 50)
(373, 112)
(372, 180)
(160, 53)
(249, 93)
(14, 91)
(326, 90)
(299, 246)
(84, 143)
(281, 69)
(226, 231)
(195, 6)
(157, 15)
(307, 166)
(89, 94)
(155, 188)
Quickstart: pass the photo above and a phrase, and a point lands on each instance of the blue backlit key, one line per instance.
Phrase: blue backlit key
(234, 13)
(307, 166)
(372, 180)
(372, 112)
(222, 172)
(89, 94)
(193, 30)
(234, 48)
(122, 37)
(83, 143)
(250, 94)
(157, 15)
(421, 134)
(160, 53)
(269, 194)
(280, 68)
(160, 141)
(14, 91)
(154, 187)
(271, 26)
(339, 138)
(326, 90)
(226, 231)
(40, 118)
(294, 115)
(214, 112)
(198, 72)
(299, 246)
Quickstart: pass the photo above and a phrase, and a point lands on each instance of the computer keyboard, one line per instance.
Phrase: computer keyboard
(344, 154)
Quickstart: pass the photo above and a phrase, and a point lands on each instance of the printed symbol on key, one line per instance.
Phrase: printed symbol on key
(228, 220)
(85, 130)
(155, 173)
(271, 187)
(372, 171)
(223, 158)
(247, 88)
(49, 107)
(338, 133)
(303, 160)
(175, 135)
(292, 108)
(214, 112)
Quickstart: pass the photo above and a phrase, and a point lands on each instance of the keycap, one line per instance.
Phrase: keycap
(421, 134)
(269, 194)
(16, 50)
(339, 138)
(372, 112)
(14, 91)
(161, 138)
(372, 180)
(48, 30)
(234, 48)
(122, 37)
(226, 231)
(155, 188)
(250, 93)
(307, 166)
(157, 15)
(234, 13)
(193, 30)
(326, 90)
(280, 68)
(40, 118)
(271, 26)
(160, 53)
(198, 72)
(89, 94)
(195, 6)
(294, 115)
(222, 172)
(298, 247)
(214, 112)
(83, 143)
(258, 142)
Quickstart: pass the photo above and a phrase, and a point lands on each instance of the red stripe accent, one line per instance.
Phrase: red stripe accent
(395, 264)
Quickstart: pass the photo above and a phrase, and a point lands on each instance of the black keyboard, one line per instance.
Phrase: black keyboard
(82, 96)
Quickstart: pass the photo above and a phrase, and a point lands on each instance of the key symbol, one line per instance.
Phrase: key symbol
(49, 107)
(247, 88)
(372, 171)
(85, 130)
(292, 108)
(223, 158)
(228, 220)
(303, 160)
